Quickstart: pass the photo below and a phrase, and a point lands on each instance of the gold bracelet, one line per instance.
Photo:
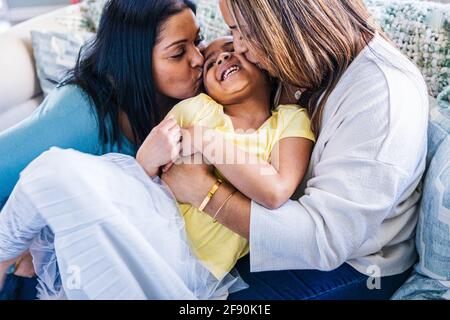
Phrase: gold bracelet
(223, 205)
(210, 194)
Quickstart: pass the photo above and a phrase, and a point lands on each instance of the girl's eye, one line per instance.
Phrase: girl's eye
(210, 65)
(199, 40)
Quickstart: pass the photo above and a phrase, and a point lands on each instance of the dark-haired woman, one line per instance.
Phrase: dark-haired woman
(145, 58)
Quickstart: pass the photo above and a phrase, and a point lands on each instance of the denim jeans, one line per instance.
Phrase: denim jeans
(18, 288)
(344, 283)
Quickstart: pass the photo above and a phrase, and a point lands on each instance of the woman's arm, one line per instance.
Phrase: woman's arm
(270, 184)
(320, 231)
(235, 215)
(65, 119)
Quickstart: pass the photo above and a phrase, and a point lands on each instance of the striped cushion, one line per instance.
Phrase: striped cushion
(431, 279)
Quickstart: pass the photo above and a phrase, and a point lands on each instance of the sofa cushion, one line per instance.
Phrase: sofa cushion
(18, 81)
(12, 116)
(91, 11)
(419, 287)
(212, 24)
(438, 125)
(20, 90)
(421, 30)
(433, 233)
(55, 54)
(431, 279)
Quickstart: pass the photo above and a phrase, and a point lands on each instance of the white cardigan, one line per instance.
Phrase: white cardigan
(362, 189)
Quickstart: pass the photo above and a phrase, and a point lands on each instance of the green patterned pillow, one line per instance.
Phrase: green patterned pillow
(211, 20)
(421, 31)
(92, 12)
(444, 98)
(55, 54)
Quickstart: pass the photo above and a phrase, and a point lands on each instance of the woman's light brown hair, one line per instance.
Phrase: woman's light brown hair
(305, 43)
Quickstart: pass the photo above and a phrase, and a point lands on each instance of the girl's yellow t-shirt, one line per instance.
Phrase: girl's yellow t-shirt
(215, 245)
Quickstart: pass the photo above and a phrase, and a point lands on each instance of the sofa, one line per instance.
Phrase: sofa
(21, 93)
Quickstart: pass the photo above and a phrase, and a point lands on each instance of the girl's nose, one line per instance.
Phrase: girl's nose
(223, 57)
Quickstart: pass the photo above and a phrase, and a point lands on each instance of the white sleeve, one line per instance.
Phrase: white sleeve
(341, 210)
(353, 190)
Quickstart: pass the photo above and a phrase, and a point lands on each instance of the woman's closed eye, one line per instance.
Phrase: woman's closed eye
(179, 55)
(182, 50)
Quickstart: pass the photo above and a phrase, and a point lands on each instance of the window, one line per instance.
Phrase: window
(20, 10)
(2, 7)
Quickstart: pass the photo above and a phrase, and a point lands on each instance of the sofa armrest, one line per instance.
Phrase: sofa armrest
(18, 81)
(17, 113)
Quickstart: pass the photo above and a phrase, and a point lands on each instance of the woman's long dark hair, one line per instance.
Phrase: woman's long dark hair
(115, 69)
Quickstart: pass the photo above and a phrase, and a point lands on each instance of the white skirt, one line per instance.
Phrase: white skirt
(100, 228)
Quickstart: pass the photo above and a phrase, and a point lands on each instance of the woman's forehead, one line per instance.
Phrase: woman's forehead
(180, 27)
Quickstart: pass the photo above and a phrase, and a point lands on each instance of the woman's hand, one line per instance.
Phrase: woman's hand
(161, 147)
(190, 182)
(24, 267)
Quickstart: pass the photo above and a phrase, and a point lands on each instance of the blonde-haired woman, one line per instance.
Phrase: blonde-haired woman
(351, 233)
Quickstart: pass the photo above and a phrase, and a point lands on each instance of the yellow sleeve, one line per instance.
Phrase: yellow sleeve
(191, 111)
(295, 123)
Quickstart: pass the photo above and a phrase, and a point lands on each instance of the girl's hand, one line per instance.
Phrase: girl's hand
(191, 143)
(188, 143)
(196, 139)
(161, 147)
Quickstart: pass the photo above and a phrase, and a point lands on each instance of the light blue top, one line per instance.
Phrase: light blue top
(66, 119)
